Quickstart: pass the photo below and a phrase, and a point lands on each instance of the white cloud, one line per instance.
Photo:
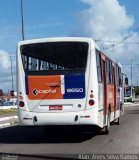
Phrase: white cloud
(105, 19)
(108, 20)
(4, 59)
(5, 71)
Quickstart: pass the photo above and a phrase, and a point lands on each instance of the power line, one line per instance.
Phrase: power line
(4, 76)
(22, 20)
(122, 41)
(1, 74)
(12, 55)
(100, 40)
(129, 64)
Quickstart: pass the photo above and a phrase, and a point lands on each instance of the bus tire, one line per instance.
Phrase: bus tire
(121, 110)
(117, 121)
(107, 127)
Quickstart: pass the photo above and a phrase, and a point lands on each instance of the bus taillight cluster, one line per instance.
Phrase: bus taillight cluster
(21, 103)
(91, 101)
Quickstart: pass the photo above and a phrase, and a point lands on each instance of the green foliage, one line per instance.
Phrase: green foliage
(137, 90)
(8, 112)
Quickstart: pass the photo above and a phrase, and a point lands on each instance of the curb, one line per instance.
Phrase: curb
(7, 118)
(5, 125)
(3, 120)
(131, 104)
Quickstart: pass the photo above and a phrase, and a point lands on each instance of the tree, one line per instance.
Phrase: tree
(137, 90)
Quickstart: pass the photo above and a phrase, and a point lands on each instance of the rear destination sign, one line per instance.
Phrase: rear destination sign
(38, 88)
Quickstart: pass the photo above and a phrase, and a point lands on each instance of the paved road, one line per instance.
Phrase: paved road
(123, 138)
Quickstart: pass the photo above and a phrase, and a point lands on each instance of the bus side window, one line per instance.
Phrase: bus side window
(107, 67)
(54, 67)
(39, 67)
(24, 61)
(59, 67)
(27, 63)
(109, 72)
(120, 76)
(99, 68)
(50, 66)
(117, 79)
(34, 62)
(44, 65)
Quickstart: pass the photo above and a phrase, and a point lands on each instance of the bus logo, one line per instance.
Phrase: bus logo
(49, 91)
(35, 92)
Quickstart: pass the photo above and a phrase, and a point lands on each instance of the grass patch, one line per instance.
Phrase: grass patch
(8, 112)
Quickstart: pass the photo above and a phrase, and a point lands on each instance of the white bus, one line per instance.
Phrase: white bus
(67, 81)
(129, 94)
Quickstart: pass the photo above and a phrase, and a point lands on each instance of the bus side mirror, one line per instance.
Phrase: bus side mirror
(126, 80)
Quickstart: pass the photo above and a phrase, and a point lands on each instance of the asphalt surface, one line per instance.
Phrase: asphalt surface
(35, 144)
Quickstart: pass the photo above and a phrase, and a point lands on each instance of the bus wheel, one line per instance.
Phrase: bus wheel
(107, 127)
(121, 110)
(117, 121)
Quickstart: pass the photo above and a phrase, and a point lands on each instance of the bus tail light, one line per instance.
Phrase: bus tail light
(91, 96)
(91, 102)
(20, 97)
(21, 104)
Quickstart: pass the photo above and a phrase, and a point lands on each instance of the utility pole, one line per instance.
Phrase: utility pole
(131, 70)
(137, 80)
(22, 20)
(137, 75)
(12, 72)
(12, 78)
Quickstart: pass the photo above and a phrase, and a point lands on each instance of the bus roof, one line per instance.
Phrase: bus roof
(53, 39)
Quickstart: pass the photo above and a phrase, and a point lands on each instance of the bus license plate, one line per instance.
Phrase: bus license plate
(55, 107)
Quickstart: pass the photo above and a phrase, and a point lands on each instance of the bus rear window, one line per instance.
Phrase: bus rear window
(54, 56)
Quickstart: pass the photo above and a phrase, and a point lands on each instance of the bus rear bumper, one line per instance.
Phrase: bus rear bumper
(87, 117)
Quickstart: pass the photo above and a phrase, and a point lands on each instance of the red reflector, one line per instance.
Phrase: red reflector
(21, 104)
(91, 102)
(91, 95)
(20, 97)
(87, 116)
(55, 107)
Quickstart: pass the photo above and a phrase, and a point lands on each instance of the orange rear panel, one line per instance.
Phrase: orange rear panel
(42, 87)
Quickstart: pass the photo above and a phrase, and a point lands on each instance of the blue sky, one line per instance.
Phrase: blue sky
(42, 18)
(53, 18)
(132, 8)
(45, 18)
